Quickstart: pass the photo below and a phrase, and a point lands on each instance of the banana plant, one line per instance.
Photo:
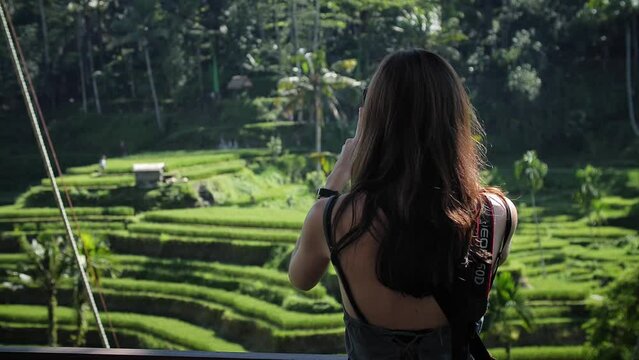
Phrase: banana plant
(49, 262)
(508, 313)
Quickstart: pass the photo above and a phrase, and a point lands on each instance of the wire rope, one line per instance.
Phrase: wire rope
(48, 168)
(54, 156)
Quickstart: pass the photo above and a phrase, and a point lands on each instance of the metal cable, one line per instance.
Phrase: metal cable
(54, 156)
(49, 170)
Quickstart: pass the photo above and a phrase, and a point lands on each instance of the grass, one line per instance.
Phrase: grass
(176, 331)
(93, 181)
(206, 273)
(255, 273)
(206, 171)
(231, 216)
(181, 272)
(172, 160)
(32, 330)
(541, 353)
(84, 226)
(13, 212)
(219, 232)
(242, 304)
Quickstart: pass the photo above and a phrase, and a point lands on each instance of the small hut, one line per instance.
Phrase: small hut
(148, 176)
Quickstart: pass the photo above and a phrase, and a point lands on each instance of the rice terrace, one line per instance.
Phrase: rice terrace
(218, 272)
(187, 141)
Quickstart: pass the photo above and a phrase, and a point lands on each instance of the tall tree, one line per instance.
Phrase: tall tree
(136, 26)
(530, 171)
(81, 57)
(144, 43)
(629, 86)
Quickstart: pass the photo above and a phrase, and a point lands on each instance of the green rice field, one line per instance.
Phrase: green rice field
(214, 278)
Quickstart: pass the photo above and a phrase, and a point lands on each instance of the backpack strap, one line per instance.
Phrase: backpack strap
(465, 339)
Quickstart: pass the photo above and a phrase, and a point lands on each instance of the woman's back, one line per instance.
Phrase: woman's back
(382, 306)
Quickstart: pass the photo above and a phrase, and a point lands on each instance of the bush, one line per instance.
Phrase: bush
(274, 146)
(171, 196)
(613, 329)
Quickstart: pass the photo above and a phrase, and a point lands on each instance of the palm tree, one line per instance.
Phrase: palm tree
(49, 262)
(317, 83)
(530, 171)
(507, 306)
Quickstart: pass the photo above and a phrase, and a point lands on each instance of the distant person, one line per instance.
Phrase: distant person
(415, 220)
(103, 164)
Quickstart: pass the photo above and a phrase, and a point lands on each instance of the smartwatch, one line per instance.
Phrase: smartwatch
(324, 192)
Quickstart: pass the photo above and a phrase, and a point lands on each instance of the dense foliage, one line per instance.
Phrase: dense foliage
(614, 328)
(541, 72)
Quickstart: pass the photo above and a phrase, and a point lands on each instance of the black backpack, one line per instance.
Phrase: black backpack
(467, 301)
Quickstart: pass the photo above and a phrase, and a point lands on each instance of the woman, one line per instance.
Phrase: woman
(410, 215)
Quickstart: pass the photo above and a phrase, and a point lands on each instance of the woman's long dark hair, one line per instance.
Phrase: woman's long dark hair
(417, 163)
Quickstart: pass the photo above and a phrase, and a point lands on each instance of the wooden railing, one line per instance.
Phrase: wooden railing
(42, 353)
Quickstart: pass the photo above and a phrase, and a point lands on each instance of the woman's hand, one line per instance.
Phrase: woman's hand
(341, 174)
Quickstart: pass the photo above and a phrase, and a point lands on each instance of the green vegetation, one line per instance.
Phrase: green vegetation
(168, 82)
(504, 298)
(590, 193)
(542, 352)
(220, 267)
(613, 330)
(228, 216)
(219, 232)
(530, 171)
(174, 331)
(172, 160)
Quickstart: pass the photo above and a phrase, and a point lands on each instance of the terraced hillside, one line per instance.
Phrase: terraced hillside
(219, 272)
